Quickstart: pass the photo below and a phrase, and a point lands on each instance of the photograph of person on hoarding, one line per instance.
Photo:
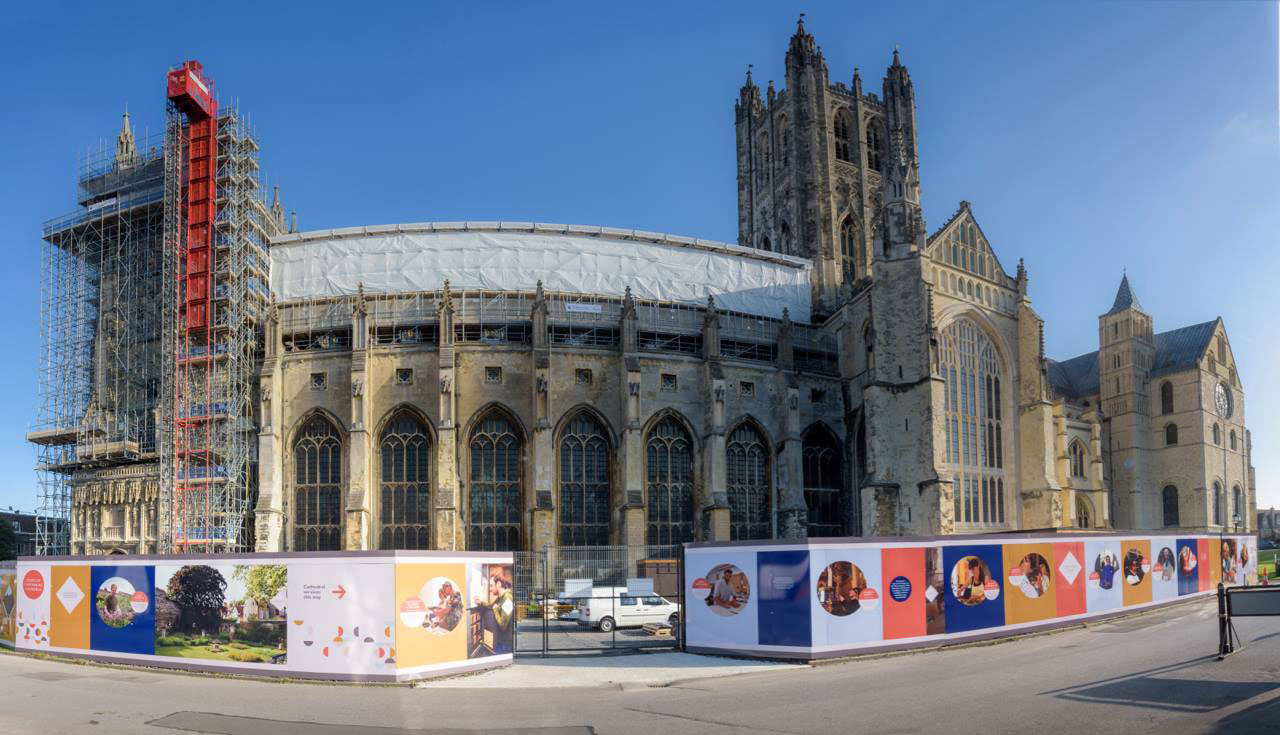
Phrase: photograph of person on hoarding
(840, 586)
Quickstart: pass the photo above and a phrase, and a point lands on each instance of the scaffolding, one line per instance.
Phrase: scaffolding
(215, 296)
(99, 374)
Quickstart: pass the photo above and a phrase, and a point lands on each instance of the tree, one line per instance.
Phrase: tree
(262, 582)
(199, 591)
(8, 541)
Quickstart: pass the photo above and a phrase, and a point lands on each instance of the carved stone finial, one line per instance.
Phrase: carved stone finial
(360, 306)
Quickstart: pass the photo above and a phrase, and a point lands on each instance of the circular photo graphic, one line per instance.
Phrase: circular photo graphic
(1031, 576)
(843, 590)
(443, 601)
(118, 602)
(971, 581)
(727, 589)
(1136, 567)
(1105, 567)
(1165, 566)
(1187, 560)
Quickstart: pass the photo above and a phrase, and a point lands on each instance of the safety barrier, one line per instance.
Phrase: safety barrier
(837, 597)
(362, 616)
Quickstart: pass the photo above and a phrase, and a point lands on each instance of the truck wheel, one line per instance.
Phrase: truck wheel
(606, 625)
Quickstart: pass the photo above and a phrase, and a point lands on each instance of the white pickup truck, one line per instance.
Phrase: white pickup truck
(612, 607)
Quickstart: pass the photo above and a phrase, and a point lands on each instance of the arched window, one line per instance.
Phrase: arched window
(317, 487)
(873, 144)
(1170, 434)
(974, 416)
(1237, 509)
(822, 481)
(851, 249)
(868, 347)
(494, 498)
(1233, 440)
(1169, 496)
(1217, 504)
(784, 142)
(1217, 435)
(1078, 455)
(766, 245)
(1082, 513)
(784, 244)
(747, 465)
(584, 483)
(842, 130)
(406, 484)
(669, 483)
(1166, 397)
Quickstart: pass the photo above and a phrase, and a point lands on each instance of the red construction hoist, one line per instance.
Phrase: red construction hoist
(196, 461)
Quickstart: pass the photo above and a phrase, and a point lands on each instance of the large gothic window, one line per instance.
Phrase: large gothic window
(405, 506)
(1082, 513)
(1169, 498)
(873, 145)
(584, 483)
(1237, 510)
(842, 130)
(1217, 504)
(974, 416)
(851, 249)
(1078, 456)
(747, 465)
(784, 244)
(317, 487)
(495, 492)
(822, 482)
(669, 484)
(1166, 397)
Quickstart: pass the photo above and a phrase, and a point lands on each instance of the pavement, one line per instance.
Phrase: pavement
(1149, 674)
(595, 671)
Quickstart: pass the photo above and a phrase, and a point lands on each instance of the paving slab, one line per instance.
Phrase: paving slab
(594, 671)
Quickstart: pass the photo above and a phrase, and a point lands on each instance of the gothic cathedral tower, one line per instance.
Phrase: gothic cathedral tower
(813, 162)
(1125, 351)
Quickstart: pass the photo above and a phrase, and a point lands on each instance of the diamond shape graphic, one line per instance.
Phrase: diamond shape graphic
(1070, 568)
(930, 594)
(70, 594)
(506, 606)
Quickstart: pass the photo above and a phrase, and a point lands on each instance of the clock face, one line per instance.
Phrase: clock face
(1223, 399)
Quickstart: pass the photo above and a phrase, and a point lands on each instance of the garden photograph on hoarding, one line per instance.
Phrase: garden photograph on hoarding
(222, 612)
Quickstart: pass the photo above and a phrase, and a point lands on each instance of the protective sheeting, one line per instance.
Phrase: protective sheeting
(505, 257)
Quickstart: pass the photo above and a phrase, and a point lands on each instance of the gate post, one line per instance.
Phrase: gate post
(1224, 641)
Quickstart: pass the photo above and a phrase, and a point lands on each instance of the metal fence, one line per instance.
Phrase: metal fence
(587, 599)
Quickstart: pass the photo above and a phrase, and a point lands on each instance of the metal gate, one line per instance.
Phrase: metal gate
(599, 599)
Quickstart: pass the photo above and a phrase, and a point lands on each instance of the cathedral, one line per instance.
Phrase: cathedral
(962, 424)
(840, 370)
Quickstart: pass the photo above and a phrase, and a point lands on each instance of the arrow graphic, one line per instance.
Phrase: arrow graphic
(340, 592)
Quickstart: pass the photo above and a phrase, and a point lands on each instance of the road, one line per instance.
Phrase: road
(1152, 673)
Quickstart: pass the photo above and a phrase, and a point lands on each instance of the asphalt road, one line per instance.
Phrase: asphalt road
(1153, 673)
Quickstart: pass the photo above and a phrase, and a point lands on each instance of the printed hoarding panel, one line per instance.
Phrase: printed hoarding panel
(935, 576)
(491, 609)
(1249, 559)
(340, 618)
(71, 606)
(1031, 594)
(1205, 565)
(974, 586)
(1068, 562)
(848, 595)
(1233, 572)
(1164, 572)
(1103, 578)
(1136, 572)
(123, 617)
(8, 606)
(784, 598)
(431, 627)
(33, 619)
(1188, 550)
(722, 600)
(229, 612)
(1213, 562)
(905, 595)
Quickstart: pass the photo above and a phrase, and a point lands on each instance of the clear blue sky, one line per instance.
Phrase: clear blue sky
(1089, 137)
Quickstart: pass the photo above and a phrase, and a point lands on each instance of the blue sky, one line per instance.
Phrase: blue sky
(1089, 137)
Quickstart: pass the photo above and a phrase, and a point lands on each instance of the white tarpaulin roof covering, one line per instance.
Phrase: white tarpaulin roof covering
(503, 256)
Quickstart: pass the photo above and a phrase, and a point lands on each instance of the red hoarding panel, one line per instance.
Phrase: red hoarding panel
(902, 574)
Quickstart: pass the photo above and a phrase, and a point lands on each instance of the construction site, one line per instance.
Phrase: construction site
(152, 294)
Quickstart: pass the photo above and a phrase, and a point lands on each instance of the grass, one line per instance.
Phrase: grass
(181, 647)
(1267, 560)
